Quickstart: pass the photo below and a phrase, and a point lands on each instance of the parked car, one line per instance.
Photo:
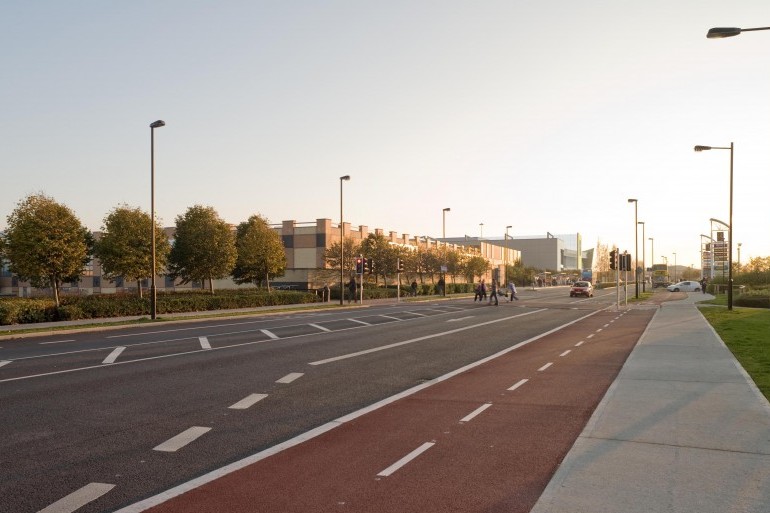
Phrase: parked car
(684, 286)
(581, 288)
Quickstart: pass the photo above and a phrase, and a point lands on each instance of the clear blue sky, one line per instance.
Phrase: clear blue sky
(544, 115)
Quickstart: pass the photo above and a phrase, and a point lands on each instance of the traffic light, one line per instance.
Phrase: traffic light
(368, 265)
(400, 265)
(627, 266)
(359, 265)
(613, 259)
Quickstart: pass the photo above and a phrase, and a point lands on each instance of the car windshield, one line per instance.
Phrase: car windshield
(582, 284)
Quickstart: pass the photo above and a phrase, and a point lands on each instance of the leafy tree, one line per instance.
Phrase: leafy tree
(383, 254)
(477, 266)
(260, 252)
(203, 248)
(45, 243)
(351, 250)
(757, 265)
(125, 246)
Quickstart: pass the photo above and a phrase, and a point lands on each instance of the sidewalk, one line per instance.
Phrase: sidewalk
(682, 429)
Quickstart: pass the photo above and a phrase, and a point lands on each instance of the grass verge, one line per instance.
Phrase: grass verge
(746, 331)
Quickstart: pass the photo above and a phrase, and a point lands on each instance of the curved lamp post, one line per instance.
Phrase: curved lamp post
(729, 224)
(505, 253)
(722, 32)
(342, 245)
(153, 292)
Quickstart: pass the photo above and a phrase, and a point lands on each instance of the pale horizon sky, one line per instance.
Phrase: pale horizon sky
(545, 115)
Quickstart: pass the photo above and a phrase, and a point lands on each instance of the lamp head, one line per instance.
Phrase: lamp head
(632, 200)
(702, 148)
(157, 124)
(346, 177)
(720, 32)
(447, 209)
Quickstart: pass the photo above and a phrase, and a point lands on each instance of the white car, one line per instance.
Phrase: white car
(684, 286)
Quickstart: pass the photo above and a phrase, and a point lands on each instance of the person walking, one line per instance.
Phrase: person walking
(352, 290)
(414, 288)
(703, 284)
(512, 290)
(483, 290)
(493, 292)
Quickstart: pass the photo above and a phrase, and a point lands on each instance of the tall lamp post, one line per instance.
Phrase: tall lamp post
(636, 245)
(644, 266)
(730, 221)
(481, 231)
(342, 245)
(652, 259)
(721, 32)
(505, 253)
(153, 292)
(443, 222)
(675, 277)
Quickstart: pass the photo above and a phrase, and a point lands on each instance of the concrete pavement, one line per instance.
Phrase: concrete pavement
(682, 429)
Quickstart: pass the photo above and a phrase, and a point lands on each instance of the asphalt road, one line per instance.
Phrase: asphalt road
(96, 421)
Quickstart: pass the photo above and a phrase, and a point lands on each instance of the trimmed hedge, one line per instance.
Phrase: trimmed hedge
(29, 311)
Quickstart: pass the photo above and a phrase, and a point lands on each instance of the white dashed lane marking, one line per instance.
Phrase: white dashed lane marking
(114, 355)
(319, 327)
(518, 384)
(472, 415)
(360, 322)
(5, 362)
(182, 439)
(544, 367)
(565, 353)
(204, 343)
(78, 498)
(406, 459)
(248, 402)
(290, 377)
(270, 334)
(579, 343)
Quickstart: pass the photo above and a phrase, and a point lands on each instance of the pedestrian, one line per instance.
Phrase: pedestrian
(493, 292)
(440, 286)
(512, 290)
(414, 288)
(477, 292)
(352, 290)
(703, 284)
(483, 290)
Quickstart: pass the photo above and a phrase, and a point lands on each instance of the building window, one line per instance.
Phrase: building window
(97, 281)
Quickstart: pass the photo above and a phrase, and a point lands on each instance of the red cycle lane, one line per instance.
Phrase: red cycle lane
(484, 440)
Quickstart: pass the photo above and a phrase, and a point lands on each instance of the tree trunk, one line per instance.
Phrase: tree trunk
(211, 286)
(139, 286)
(267, 280)
(55, 287)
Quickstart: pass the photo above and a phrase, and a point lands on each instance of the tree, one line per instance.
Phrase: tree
(203, 248)
(260, 252)
(476, 266)
(384, 255)
(351, 251)
(125, 246)
(45, 243)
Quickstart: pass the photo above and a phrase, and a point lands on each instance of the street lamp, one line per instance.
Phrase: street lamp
(636, 245)
(481, 231)
(342, 245)
(729, 224)
(505, 253)
(153, 290)
(443, 224)
(644, 267)
(722, 32)
(652, 259)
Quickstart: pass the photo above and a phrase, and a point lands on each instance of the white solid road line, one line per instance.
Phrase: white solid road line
(56, 342)
(78, 498)
(472, 415)
(544, 367)
(204, 342)
(248, 401)
(290, 377)
(319, 327)
(406, 459)
(518, 384)
(419, 339)
(5, 362)
(114, 355)
(182, 439)
(270, 334)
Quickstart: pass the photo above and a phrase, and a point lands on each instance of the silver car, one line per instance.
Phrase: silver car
(684, 286)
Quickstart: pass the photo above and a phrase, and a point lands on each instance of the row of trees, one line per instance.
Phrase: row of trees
(418, 262)
(47, 245)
